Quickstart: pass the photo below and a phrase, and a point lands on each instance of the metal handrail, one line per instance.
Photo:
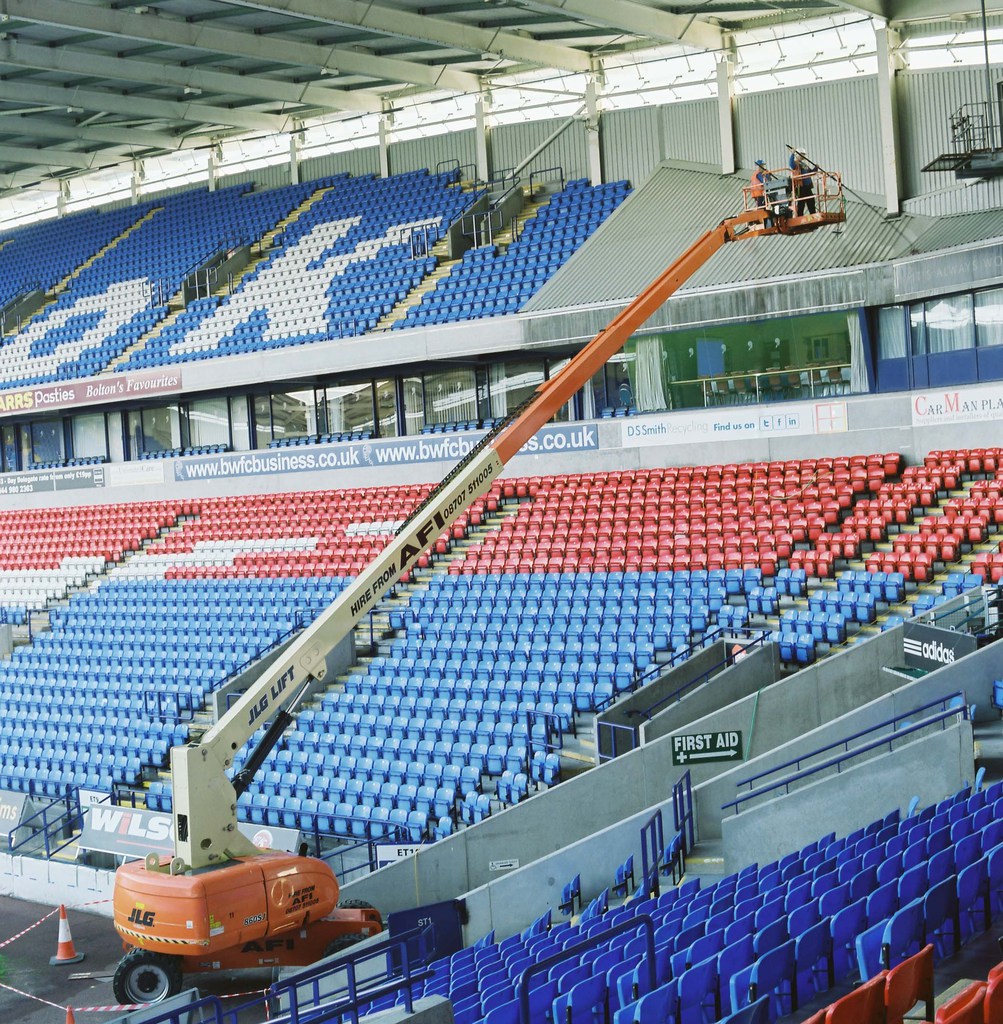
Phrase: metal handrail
(69, 817)
(349, 1005)
(757, 640)
(796, 761)
(848, 755)
(579, 948)
(539, 173)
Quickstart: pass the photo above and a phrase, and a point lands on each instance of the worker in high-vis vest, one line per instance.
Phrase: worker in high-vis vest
(758, 183)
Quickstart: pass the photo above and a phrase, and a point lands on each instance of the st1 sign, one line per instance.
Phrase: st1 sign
(704, 747)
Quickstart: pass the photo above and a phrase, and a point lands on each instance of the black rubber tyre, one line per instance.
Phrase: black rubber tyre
(145, 977)
(342, 942)
(358, 905)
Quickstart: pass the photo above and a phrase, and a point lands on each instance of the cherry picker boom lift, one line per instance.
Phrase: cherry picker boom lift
(221, 903)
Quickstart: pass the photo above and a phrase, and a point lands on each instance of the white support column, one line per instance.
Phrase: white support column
(888, 63)
(592, 141)
(294, 161)
(210, 169)
(64, 194)
(386, 123)
(482, 136)
(135, 181)
(725, 113)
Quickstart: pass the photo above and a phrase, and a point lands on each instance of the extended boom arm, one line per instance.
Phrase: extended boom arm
(205, 800)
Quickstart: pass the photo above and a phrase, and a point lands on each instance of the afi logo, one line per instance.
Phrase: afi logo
(142, 917)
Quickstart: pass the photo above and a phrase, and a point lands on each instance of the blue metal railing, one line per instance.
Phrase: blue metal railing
(755, 637)
(575, 951)
(795, 762)
(345, 1001)
(837, 762)
(608, 733)
(652, 848)
(343, 1004)
(682, 811)
(53, 825)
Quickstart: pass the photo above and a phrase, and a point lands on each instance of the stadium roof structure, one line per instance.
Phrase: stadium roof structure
(88, 84)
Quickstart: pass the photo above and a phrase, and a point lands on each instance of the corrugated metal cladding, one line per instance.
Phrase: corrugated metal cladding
(675, 207)
(691, 132)
(961, 197)
(429, 152)
(835, 123)
(631, 143)
(926, 102)
(361, 161)
(271, 177)
(965, 229)
(512, 143)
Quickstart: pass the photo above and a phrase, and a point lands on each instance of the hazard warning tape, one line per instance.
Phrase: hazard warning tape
(7, 942)
(147, 937)
(113, 1008)
(42, 920)
(28, 995)
(139, 1006)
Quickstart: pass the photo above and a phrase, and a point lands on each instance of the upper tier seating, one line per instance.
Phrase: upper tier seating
(122, 294)
(343, 264)
(486, 284)
(39, 256)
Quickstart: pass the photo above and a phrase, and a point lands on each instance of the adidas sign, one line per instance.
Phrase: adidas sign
(933, 651)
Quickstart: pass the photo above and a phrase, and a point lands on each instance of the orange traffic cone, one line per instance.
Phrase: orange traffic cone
(70, 1019)
(65, 953)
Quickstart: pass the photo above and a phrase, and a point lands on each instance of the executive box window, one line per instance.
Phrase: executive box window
(989, 318)
(414, 405)
(386, 406)
(47, 441)
(240, 423)
(89, 438)
(511, 383)
(891, 333)
(350, 408)
(8, 441)
(293, 414)
(208, 423)
(155, 430)
(765, 360)
(950, 324)
(262, 420)
(451, 396)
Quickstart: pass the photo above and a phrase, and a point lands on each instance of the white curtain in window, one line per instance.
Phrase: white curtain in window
(650, 393)
(858, 366)
(335, 414)
(989, 317)
(499, 396)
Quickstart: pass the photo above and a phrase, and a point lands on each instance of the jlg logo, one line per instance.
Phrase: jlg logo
(142, 917)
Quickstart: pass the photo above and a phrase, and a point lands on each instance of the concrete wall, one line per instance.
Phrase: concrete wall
(632, 711)
(758, 669)
(931, 767)
(775, 721)
(816, 707)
